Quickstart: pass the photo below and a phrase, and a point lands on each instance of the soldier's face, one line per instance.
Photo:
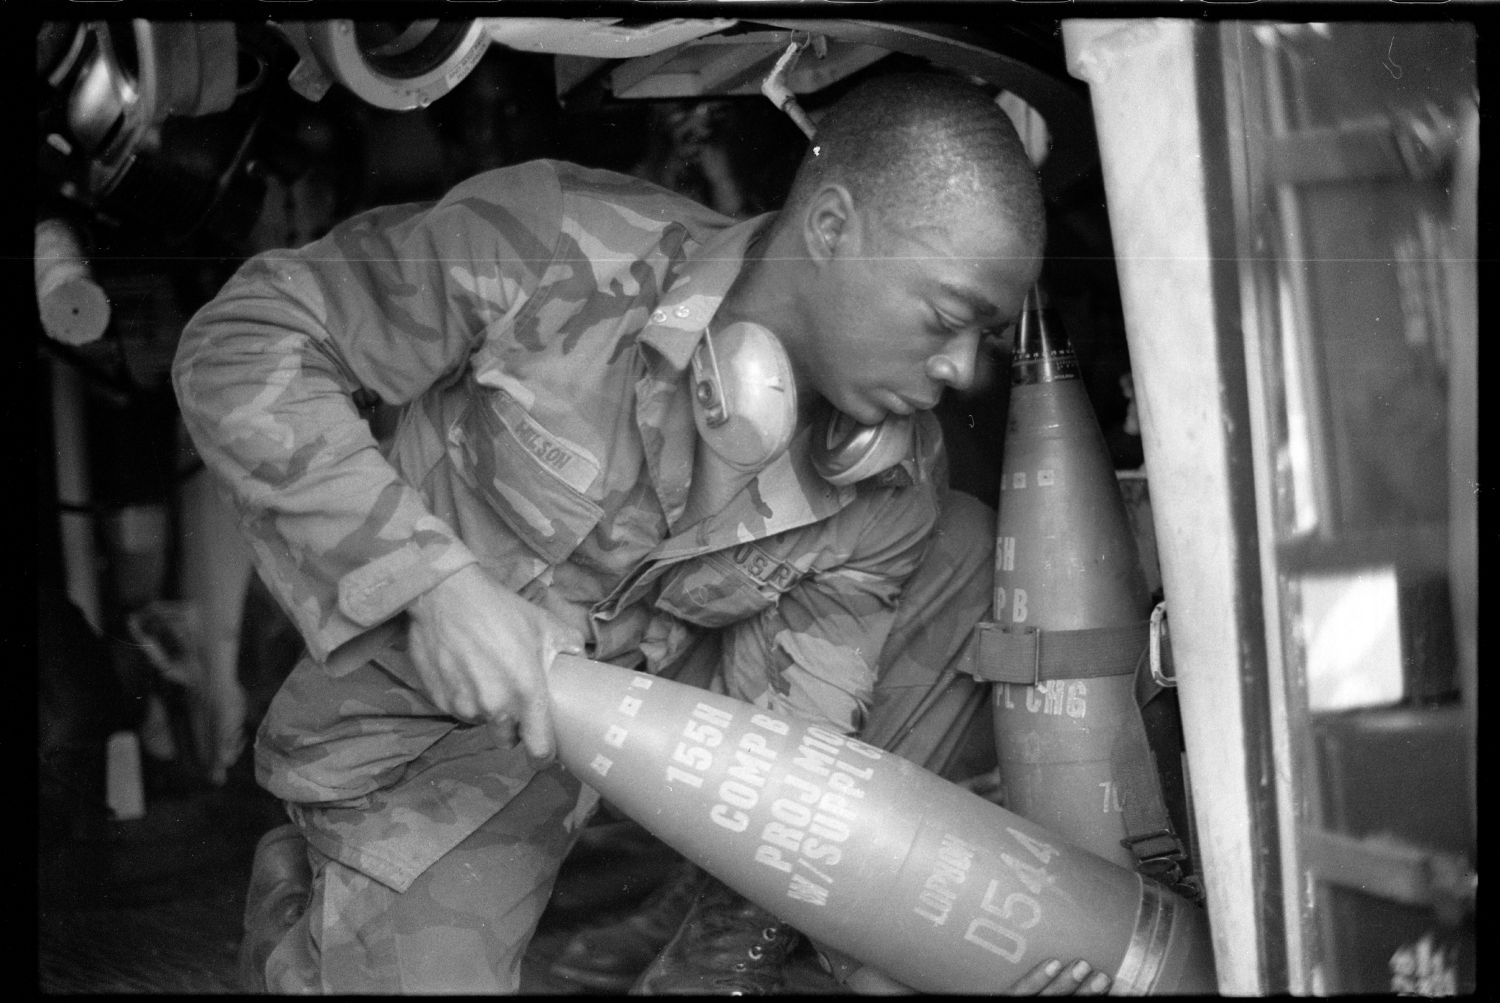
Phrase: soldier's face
(904, 315)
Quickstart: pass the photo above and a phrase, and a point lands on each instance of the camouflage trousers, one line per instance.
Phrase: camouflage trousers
(464, 924)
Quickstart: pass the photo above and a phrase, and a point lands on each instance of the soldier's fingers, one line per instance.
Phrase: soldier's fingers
(1096, 986)
(1068, 982)
(566, 640)
(505, 731)
(424, 657)
(458, 693)
(1033, 981)
(536, 724)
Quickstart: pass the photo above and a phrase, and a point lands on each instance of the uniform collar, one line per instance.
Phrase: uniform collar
(690, 302)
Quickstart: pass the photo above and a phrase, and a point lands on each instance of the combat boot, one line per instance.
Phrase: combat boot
(610, 958)
(280, 887)
(727, 946)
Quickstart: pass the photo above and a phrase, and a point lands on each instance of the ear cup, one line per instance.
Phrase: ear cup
(745, 407)
(843, 451)
(744, 395)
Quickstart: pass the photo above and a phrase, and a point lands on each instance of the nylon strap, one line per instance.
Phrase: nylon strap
(1029, 656)
(1011, 654)
(1158, 851)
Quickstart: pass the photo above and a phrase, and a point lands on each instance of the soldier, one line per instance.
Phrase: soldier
(558, 483)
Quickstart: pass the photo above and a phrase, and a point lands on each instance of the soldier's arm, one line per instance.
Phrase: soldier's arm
(389, 304)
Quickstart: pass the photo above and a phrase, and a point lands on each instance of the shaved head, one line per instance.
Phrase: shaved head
(915, 149)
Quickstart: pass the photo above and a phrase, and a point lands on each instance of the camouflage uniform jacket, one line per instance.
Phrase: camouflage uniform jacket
(536, 326)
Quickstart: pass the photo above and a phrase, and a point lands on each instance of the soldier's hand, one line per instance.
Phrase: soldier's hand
(1047, 979)
(1051, 979)
(482, 653)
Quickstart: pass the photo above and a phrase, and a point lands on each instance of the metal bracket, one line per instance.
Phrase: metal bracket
(775, 88)
(1161, 647)
(1388, 867)
(1161, 856)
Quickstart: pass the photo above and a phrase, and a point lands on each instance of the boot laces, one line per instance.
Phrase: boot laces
(745, 944)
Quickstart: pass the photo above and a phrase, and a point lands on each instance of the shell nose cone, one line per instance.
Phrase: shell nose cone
(1043, 353)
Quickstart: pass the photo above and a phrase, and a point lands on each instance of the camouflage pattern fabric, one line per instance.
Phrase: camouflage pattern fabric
(462, 927)
(362, 936)
(536, 327)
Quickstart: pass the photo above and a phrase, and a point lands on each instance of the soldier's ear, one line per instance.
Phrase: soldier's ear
(830, 224)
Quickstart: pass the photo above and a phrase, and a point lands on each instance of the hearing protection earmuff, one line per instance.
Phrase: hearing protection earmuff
(744, 395)
(845, 451)
(745, 407)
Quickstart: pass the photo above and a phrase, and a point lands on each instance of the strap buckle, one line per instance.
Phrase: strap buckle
(1160, 644)
(1168, 847)
(1160, 856)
